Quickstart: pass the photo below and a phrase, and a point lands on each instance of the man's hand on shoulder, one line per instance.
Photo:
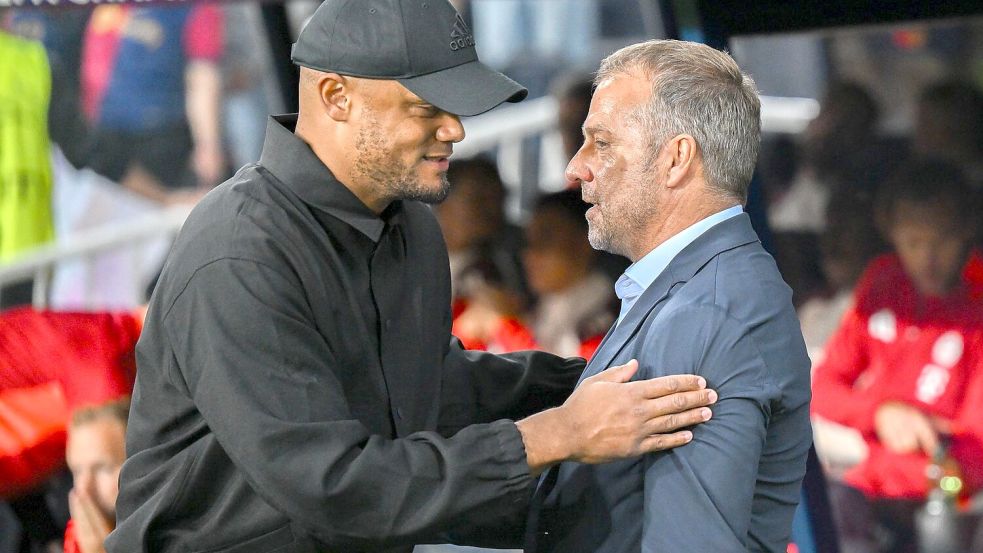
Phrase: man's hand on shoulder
(609, 417)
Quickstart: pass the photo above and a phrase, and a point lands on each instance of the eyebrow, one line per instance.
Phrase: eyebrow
(595, 128)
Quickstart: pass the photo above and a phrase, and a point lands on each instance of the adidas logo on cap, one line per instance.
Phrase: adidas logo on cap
(460, 35)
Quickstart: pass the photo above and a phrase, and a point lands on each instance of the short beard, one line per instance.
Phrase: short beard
(373, 163)
(618, 233)
(604, 240)
(409, 188)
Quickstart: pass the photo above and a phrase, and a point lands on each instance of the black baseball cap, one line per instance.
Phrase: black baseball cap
(423, 44)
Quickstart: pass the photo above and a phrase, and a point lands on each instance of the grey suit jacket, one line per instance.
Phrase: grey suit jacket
(720, 310)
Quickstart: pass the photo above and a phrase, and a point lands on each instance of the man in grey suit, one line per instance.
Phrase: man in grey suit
(670, 144)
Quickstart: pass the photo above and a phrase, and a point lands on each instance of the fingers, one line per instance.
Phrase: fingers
(74, 507)
(678, 402)
(665, 424)
(926, 438)
(660, 442)
(621, 373)
(666, 385)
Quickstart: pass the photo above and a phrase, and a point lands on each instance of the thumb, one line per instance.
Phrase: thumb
(621, 373)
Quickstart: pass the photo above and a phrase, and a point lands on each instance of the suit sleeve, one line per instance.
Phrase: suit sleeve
(259, 373)
(701, 497)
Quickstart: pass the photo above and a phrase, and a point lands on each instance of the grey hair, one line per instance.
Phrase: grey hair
(699, 91)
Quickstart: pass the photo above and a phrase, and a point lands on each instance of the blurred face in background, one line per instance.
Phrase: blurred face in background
(472, 213)
(557, 254)
(933, 245)
(95, 454)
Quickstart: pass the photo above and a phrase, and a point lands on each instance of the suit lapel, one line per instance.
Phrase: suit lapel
(619, 336)
(729, 234)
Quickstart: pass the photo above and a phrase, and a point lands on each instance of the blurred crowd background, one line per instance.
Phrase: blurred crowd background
(116, 118)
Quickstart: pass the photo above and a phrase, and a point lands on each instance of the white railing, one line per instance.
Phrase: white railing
(40, 263)
(511, 123)
(504, 129)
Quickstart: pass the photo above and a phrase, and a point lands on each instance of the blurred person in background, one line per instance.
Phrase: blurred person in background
(61, 33)
(574, 302)
(905, 367)
(850, 241)
(151, 88)
(572, 92)
(95, 455)
(244, 68)
(949, 127)
(473, 222)
(509, 31)
(838, 148)
(52, 363)
(26, 219)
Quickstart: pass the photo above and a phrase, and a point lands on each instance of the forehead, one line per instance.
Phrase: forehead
(909, 231)
(386, 92)
(97, 438)
(615, 97)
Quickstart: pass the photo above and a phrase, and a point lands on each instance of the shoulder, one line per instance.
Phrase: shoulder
(743, 282)
(683, 334)
(246, 219)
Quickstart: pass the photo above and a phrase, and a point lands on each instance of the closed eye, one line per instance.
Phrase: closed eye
(426, 110)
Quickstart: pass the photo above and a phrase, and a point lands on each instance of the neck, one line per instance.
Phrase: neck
(323, 142)
(674, 218)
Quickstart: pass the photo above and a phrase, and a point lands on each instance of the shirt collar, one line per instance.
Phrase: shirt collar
(641, 274)
(293, 162)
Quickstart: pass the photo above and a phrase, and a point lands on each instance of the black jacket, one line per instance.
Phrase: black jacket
(296, 379)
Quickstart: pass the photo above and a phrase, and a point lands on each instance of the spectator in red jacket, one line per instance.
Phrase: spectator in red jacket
(52, 363)
(95, 455)
(904, 367)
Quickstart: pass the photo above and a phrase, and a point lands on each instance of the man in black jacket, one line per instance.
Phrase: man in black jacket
(298, 389)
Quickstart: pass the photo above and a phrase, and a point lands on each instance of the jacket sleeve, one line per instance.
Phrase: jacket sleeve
(967, 428)
(261, 376)
(703, 496)
(846, 358)
(480, 387)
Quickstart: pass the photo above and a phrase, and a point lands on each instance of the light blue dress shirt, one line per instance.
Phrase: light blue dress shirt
(642, 273)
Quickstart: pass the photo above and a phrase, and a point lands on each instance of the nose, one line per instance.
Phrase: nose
(451, 129)
(577, 171)
(83, 481)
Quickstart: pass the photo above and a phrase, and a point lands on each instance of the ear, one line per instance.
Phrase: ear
(335, 92)
(682, 152)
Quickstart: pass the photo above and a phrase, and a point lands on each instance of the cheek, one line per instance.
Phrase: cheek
(108, 484)
(550, 268)
(950, 254)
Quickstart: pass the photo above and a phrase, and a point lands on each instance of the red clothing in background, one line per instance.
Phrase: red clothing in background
(512, 335)
(71, 544)
(50, 364)
(895, 345)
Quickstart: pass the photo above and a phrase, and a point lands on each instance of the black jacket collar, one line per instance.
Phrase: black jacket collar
(293, 162)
